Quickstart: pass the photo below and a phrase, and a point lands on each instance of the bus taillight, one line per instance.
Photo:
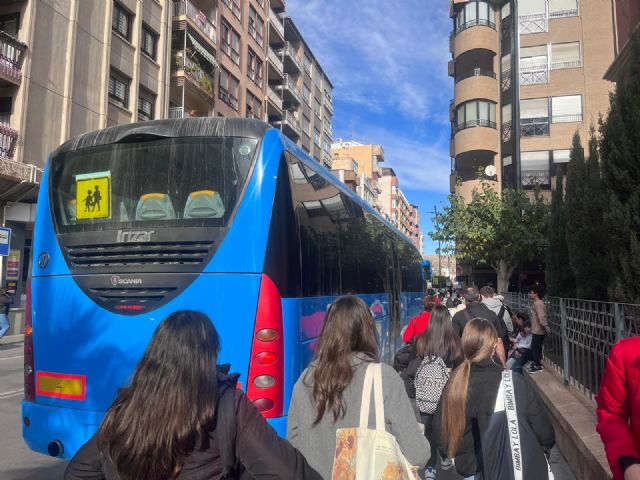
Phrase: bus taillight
(266, 370)
(29, 376)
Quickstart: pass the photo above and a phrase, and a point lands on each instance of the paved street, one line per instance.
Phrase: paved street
(17, 462)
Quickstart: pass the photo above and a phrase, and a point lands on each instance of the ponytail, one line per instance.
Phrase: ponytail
(454, 407)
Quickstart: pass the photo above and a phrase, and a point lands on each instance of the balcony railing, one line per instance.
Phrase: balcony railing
(474, 123)
(275, 60)
(573, 12)
(535, 177)
(327, 129)
(11, 51)
(534, 127)
(8, 140)
(289, 84)
(476, 72)
(290, 52)
(292, 121)
(535, 23)
(185, 7)
(276, 22)
(176, 112)
(195, 72)
(479, 22)
(533, 74)
(570, 64)
(567, 118)
(274, 97)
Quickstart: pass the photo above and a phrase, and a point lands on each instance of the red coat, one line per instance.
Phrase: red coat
(619, 404)
(416, 326)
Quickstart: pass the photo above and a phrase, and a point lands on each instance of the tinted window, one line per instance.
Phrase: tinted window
(190, 181)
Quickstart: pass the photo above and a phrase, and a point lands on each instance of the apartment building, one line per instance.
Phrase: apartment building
(365, 161)
(528, 75)
(627, 18)
(395, 207)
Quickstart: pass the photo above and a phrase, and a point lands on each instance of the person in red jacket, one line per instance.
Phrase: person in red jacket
(619, 409)
(418, 324)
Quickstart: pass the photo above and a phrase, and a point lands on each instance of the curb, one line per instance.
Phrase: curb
(8, 339)
(574, 421)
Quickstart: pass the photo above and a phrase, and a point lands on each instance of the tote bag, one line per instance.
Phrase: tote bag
(370, 454)
(509, 446)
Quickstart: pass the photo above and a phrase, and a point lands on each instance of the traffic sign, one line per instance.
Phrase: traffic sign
(5, 241)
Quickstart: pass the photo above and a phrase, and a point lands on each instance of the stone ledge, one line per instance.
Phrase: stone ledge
(574, 421)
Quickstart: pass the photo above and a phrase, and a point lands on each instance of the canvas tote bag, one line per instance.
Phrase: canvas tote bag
(370, 454)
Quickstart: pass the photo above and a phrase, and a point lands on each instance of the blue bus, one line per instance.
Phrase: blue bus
(426, 270)
(225, 216)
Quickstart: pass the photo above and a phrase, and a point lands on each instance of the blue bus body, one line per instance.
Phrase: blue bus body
(80, 338)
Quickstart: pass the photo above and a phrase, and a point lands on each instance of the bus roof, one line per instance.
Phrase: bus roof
(183, 127)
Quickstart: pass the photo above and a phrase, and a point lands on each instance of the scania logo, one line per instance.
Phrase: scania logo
(116, 281)
(134, 236)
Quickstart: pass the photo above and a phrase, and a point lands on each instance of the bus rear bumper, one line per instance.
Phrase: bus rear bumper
(46, 425)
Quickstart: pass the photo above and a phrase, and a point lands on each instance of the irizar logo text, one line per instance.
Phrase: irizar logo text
(134, 236)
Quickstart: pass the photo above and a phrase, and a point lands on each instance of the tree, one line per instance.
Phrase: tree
(499, 230)
(620, 152)
(559, 278)
(585, 231)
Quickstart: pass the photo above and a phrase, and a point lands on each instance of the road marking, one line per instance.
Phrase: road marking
(11, 393)
(11, 358)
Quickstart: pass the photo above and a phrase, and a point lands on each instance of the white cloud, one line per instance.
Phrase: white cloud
(381, 54)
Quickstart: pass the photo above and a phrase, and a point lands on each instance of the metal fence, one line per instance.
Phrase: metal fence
(582, 334)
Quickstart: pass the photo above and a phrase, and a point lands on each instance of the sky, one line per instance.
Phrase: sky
(388, 65)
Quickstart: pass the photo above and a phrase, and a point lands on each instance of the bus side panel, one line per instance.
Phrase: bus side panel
(45, 241)
(243, 249)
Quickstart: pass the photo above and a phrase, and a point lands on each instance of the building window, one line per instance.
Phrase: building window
(561, 156)
(256, 26)
(228, 90)
(146, 102)
(254, 106)
(317, 79)
(534, 65)
(476, 113)
(566, 109)
(306, 125)
(316, 137)
(5, 110)
(10, 24)
(230, 42)
(535, 168)
(119, 89)
(308, 65)
(306, 93)
(317, 107)
(254, 68)
(532, 7)
(565, 55)
(534, 117)
(563, 8)
(234, 6)
(149, 41)
(121, 21)
(474, 13)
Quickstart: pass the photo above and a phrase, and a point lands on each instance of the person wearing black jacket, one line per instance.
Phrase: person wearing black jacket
(182, 418)
(476, 309)
(467, 406)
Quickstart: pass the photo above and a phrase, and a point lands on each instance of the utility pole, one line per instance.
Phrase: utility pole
(435, 212)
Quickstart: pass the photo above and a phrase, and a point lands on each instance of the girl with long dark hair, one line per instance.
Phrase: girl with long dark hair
(328, 394)
(182, 418)
(468, 404)
(438, 343)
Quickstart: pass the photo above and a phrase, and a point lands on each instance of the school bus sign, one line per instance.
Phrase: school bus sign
(93, 195)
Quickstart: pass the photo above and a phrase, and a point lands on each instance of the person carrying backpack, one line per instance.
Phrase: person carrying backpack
(438, 352)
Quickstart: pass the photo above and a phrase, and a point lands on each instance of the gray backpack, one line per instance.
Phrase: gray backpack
(430, 381)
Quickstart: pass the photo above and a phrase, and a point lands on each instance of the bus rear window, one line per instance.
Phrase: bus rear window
(188, 181)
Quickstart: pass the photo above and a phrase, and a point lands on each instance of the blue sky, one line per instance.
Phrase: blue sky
(388, 64)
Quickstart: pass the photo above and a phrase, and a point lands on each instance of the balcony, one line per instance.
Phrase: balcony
(190, 68)
(326, 127)
(289, 125)
(479, 22)
(290, 92)
(274, 98)
(531, 178)
(11, 51)
(290, 59)
(328, 104)
(534, 74)
(474, 123)
(276, 68)
(536, 23)
(534, 127)
(563, 65)
(197, 18)
(276, 24)
(476, 72)
(8, 141)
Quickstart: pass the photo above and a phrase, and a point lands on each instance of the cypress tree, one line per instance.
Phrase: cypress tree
(576, 214)
(559, 278)
(620, 153)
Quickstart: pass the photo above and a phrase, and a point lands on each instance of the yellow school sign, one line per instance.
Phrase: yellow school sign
(93, 195)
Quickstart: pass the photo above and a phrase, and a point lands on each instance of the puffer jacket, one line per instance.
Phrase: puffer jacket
(259, 451)
(619, 405)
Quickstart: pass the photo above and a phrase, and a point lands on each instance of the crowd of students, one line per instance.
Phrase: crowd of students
(449, 402)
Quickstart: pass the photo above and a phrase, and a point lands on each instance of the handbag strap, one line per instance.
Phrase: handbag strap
(509, 405)
(372, 381)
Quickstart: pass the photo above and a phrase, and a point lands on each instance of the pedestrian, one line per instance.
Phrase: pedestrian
(619, 409)
(5, 302)
(439, 352)
(521, 352)
(418, 324)
(474, 308)
(497, 306)
(539, 327)
(449, 302)
(328, 394)
(182, 418)
(466, 423)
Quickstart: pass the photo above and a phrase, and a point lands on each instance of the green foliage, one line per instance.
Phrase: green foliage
(585, 232)
(499, 230)
(620, 152)
(559, 278)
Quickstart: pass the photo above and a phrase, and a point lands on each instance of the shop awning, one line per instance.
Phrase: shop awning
(202, 51)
